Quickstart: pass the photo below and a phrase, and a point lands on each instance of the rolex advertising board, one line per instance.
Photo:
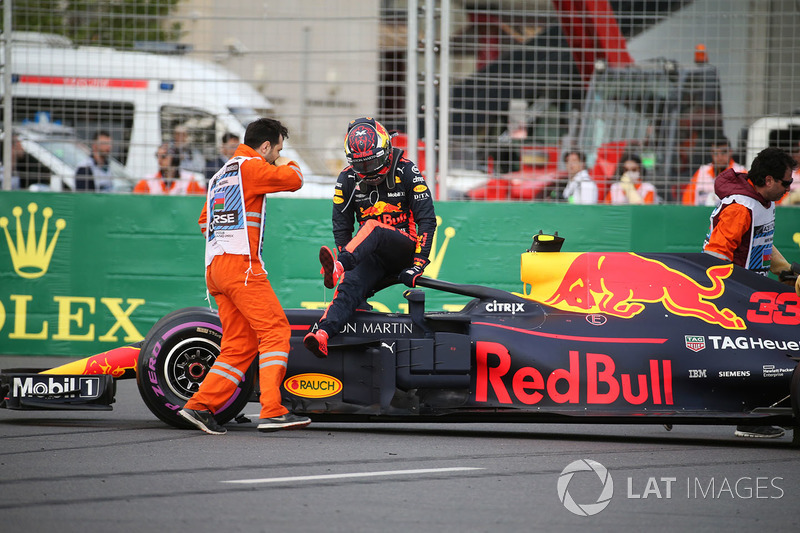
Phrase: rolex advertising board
(85, 273)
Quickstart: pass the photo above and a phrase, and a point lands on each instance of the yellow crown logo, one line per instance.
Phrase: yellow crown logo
(437, 254)
(31, 259)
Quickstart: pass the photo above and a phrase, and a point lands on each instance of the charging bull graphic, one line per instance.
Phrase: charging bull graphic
(620, 284)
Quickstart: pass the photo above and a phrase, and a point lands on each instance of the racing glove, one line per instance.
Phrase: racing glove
(409, 276)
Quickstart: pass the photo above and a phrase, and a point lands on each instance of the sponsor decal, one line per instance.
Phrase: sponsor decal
(31, 258)
(313, 385)
(695, 342)
(420, 188)
(31, 254)
(394, 328)
(772, 371)
(596, 320)
(380, 207)
(720, 342)
(418, 179)
(623, 284)
(603, 384)
(734, 373)
(396, 194)
(62, 387)
(338, 200)
(697, 373)
(505, 307)
(338, 191)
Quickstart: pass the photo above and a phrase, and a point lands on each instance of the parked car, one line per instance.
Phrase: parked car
(53, 153)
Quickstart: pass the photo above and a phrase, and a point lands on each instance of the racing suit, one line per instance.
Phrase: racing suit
(396, 226)
(253, 321)
(742, 225)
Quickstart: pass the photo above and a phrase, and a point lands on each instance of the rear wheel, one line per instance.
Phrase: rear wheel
(176, 356)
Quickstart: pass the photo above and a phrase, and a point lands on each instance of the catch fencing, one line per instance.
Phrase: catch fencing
(490, 94)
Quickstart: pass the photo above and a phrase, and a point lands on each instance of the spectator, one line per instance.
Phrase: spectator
(630, 189)
(170, 179)
(17, 153)
(743, 225)
(580, 189)
(93, 174)
(190, 158)
(230, 142)
(700, 191)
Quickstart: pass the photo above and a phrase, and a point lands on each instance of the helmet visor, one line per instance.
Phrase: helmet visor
(369, 167)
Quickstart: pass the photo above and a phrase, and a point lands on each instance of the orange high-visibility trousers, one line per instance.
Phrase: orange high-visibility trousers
(253, 323)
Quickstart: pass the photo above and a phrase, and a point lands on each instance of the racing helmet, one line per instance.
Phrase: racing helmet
(368, 148)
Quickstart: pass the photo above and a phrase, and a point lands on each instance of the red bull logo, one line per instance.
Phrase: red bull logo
(119, 362)
(621, 284)
(380, 208)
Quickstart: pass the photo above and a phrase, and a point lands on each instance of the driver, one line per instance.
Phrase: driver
(388, 196)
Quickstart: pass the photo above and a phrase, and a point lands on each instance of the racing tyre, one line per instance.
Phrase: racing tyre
(175, 357)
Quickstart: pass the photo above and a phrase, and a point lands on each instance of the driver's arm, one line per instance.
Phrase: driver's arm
(343, 216)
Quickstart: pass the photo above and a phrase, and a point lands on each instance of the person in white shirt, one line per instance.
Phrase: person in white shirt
(580, 189)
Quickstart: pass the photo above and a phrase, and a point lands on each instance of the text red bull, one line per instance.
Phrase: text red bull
(602, 384)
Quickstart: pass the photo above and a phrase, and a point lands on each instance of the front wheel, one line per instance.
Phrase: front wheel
(176, 356)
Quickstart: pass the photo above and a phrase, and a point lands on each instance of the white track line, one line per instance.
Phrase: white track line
(351, 475)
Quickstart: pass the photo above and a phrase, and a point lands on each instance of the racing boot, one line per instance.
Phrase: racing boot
(332, 270)
(317, 343)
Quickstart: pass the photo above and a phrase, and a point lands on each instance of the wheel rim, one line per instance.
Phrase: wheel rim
(188, 363)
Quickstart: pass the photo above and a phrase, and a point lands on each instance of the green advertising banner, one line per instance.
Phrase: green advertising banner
(84, 273)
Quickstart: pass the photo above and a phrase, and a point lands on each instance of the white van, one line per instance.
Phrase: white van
(779, 131)
(140, 98)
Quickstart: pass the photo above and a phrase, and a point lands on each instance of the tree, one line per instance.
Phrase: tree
(115, 23)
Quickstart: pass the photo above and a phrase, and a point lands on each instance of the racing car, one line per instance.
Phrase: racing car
(592, 337)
